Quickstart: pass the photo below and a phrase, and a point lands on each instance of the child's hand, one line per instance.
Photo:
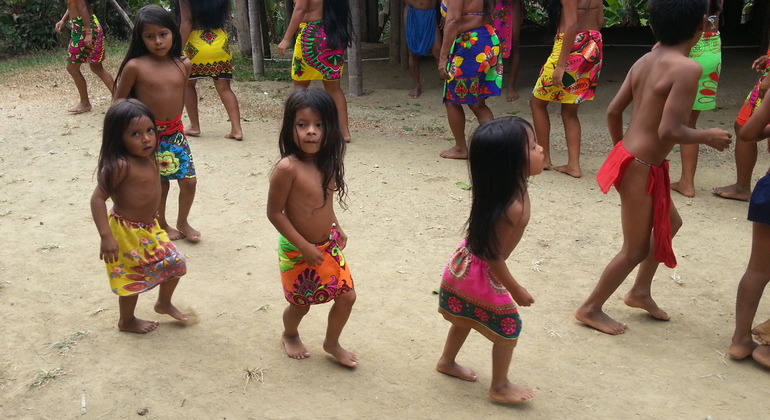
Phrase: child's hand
(522, 296)
(759, 64)
(558, 75)
(59, 26)
(313, 256)
(342, 239)
(442, 73)
(719, 139)
(108, 250)
(282, 47)
(88, 40)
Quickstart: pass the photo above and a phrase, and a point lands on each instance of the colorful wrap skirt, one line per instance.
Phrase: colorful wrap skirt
(420, 29)
(759, 205)
(658, 185)
(314, 58)
(504, 16)
(77, 52)
(173, 154)
(304, 285)
(581, 73)
(146, 257)
(474, 67)
(708, 53)
(753, 101)
(209, 53)
(471, 296)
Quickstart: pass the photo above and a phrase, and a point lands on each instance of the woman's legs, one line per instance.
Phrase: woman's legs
(572, 132)
(230, 101)
(191, 104)
(334, 89)
(542, 124)
(456, 116)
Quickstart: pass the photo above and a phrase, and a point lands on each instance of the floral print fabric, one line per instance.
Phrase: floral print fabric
(581, 74)
(77, 52)
(474, 67)
(313, 57)
(708, 53)
(753, 100)
(209, 53)
(173, 155)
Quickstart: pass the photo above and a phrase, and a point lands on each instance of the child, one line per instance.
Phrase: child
(137, 252)
(663, 84)
(477, 290)
(508, 17)
(570, 75)
(155, 72)
(86, 46)
(757, 273)
(325, 30)
(300, 206)
(422, 37)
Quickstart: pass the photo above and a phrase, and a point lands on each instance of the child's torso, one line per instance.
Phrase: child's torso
(305, 206)
(160, 85)
(137, 197)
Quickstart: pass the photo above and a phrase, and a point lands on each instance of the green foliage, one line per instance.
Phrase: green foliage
(28, 25)
(276, 20)
(617, 13)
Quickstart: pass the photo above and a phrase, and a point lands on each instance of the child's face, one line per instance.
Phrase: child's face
(308, 131)
(157, 39)
(536, 155)
(139, 137)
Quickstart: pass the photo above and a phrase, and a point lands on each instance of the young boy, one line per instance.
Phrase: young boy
(86, 45)
(663, 84)
(422, 37)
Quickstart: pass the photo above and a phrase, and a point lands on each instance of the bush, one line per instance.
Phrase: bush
(28, 25)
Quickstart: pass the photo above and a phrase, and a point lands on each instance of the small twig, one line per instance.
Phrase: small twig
(257, 374)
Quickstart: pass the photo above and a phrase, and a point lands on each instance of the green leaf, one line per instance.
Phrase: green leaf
(408, 129)
(462, 185)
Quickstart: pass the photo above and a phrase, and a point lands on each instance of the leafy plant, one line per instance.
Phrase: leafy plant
(28, 25)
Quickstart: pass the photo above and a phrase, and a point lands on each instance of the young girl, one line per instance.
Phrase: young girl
(477, 290)
(137, 252)
(300, 206)
(325, 30)
(155, 73)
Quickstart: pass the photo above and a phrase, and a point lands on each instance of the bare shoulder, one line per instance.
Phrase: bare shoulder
(285, 167)
(517, 211)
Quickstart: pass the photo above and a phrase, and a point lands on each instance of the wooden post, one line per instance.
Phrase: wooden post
(355, 64)
(241, 21)
(255, 28)
(123, 14)
(395, 8)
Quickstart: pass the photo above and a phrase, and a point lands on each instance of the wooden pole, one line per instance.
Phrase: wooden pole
(255, 28)
(123, 14)
(395, 8)
(355, 64)
(241, 20)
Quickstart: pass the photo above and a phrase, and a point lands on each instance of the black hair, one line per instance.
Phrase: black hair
(715, 6)
(113, 150)
(338, 23)
(206, 14)
(329, 158)
(498, 162)
(675, 21)
(554, 18)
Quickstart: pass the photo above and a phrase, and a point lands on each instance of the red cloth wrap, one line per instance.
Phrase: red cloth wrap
(166, 128)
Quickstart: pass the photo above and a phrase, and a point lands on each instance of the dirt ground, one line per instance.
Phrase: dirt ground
(59, 318)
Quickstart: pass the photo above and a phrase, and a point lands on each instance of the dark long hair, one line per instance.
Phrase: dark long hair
(113, 150)
(338, 23)
(498, 161)
(152, 15)
(206, 14)
(329, 158)
(554, 18)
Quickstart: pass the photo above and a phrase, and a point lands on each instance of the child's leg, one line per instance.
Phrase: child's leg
(99, 70)
(745, 159)
(334, 89)
(338, 317)
(447, 363)
(762, 332)
(230, 101)
(482, 111)
(186, 198)
(172, 233)
(292, 344)
(502, 389)
(542, 123)
(164, 305)
(456, 116)
(572, 131)
(689, 154)
(80, 83)
(414, 71)
(128, 322)
(191, 105)
(750, 290)
(513, 61)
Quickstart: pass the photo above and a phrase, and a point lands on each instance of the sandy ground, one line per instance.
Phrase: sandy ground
(405, 216)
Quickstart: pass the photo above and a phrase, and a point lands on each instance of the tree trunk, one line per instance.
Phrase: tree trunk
(123, 14)
(241, 20)
(255, 28)
(394, 12)
(355, 64)
(265, 27)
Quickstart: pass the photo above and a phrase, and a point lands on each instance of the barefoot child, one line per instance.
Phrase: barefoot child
(662, 85)
(325, 30)
(422, 37)
(757, 273)
(86, 46)
(155, 73)
(137, 252)
(301, 207)
(508, 17)
(477, 290)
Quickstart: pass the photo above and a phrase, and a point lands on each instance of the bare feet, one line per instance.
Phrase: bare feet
(169, 309)
(80, 108)
(600, 320)
(573, 172)
(346, 358)
(347, 140)
(458, 371)
(762, 332)
(547, 165)
(294, 347)
(138, 326)
(511, 393)
(172, 233)
(741, 349)
(762, 355)
(415, 92)
(648, 304)
(734, 192)
(188, 232)
(192, 131)
(512, 95)
(454, 153)
(235, 136)
(686, 190)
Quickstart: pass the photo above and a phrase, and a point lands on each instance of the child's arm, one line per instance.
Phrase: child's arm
(126, 81)
(451, 28)
(88, 39)
(756, 128)
(297, 16)
(60, 24)
(619, 103)
(108, 250)
(568, 26)
(497, 266)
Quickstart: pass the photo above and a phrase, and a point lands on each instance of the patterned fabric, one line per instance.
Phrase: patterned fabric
(759, 206)
(581, 74)
(209, 52)
(470, 295)
(504, 16)
(658, 185)
(146, 257)
(474, 68)
(753, 101)
(77, 52)
(174, 155)
(314, 58)
(304, 285)
(420, 29)
(708, 53)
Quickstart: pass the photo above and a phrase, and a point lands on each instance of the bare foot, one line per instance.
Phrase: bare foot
(192, 131)
(762, 332)
(762, 355)
(138, 326)
(235, 136)
(458, 371)
(511, 393)
(454, 153)
(733, 192)
(346, 358)
(347, 140)
(685, 190)
(80, 108)
(415, 92)
(600, 320)
(573, 172)
(742, 349)
(189, 233)
(169, 309)
(294, 347)
(646, 303)
(512, 95)
(547, 165)
(172, 233)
